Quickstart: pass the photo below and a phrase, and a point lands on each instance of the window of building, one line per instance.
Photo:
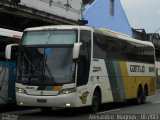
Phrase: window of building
(112, 7)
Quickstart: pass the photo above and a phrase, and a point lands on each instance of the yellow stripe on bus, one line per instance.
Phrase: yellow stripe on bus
(131, 83)
(126, 79)
(56, 88)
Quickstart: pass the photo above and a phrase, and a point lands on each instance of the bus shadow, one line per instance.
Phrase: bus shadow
(12, 107)
(75, 112)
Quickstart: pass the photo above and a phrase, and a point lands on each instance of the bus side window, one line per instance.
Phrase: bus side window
(84, 58)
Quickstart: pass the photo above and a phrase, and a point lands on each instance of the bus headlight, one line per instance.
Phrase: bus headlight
(20, 90)
(67, 90)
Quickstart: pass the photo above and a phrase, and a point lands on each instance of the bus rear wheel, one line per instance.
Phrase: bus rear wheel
(141, 96)
(95, 102)
(144, 96)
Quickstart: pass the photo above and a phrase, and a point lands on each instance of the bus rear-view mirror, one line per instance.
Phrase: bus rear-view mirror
(76, 49)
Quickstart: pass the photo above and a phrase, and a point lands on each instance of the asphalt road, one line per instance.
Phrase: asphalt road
(123, 111)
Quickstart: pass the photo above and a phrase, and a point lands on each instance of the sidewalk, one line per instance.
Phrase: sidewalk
(158, 90)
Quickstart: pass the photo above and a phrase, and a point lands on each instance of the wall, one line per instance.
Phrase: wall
(70, 9)
(98, 15)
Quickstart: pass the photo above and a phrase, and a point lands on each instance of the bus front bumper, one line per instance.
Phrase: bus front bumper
(64, 100)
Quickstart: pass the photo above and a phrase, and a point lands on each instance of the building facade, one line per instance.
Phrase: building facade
(107, 14)
(21, 14)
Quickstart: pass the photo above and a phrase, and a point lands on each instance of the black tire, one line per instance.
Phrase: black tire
(139, 96)
(95, 102)
(144, 94)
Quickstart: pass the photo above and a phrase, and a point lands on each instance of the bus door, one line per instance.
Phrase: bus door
(4, 76)
(7, 94)
(84, 66)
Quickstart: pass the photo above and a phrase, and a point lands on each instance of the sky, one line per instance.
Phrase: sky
(143, 14)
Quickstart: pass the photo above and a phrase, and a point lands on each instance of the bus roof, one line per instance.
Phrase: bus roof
(10, 33)
(100, 30)
(121, 36)
(52, 27)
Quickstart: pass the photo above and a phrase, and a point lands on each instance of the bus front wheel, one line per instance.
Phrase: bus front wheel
(95, 102)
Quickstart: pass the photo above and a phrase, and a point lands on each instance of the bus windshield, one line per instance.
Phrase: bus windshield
(49, 37)
(46, 57)
(46, 65)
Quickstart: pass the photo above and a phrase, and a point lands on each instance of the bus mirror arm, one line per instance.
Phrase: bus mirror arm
(76, 49)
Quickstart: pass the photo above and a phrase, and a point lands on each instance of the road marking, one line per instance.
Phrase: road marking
(19, 112)
(108, 111)
(120, 109)
(156, 102)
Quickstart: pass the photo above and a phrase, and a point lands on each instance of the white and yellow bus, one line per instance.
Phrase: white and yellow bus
(76, 66)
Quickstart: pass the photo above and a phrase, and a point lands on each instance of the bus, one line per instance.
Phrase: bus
(75, 66)
(157, 54)
(7, 68)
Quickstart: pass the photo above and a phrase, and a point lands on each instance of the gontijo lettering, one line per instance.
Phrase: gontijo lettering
(151, 69)
(137, 68)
